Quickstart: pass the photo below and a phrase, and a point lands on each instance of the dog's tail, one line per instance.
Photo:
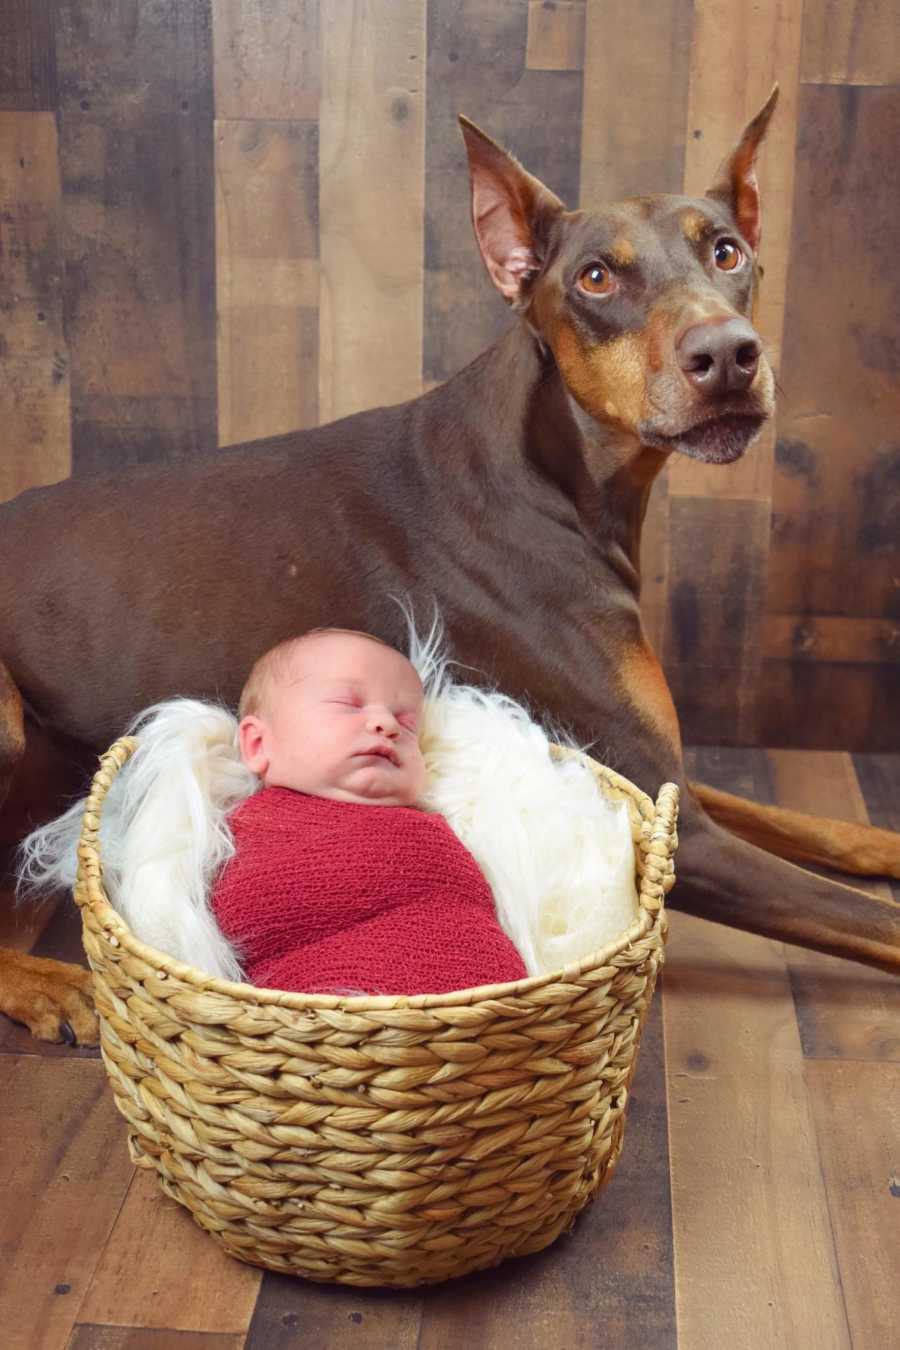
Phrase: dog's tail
(163, 835)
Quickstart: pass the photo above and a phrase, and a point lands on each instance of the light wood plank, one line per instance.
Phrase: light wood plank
(555, 35)
(34, 392)
(851, 42)
(754, 1258)
(845, 1011)
(371, 201)
(64, 1171)
(857, 1114)
(140, 1338)
(636, 66)
(267, 281)
(266, 59)
(140, 1279)
(737, 55)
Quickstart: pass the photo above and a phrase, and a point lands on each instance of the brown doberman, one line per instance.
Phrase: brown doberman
(513, 496)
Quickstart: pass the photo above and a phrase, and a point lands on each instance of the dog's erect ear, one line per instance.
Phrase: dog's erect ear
(509, 209)
(736, 184)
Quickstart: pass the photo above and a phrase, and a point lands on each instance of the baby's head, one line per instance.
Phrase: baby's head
(335, 714)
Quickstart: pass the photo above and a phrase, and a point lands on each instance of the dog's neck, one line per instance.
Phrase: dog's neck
(517, 415)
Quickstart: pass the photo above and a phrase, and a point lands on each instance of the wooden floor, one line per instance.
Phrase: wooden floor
(757, 1204)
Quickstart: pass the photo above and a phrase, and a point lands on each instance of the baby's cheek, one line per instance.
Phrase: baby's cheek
(420, 775)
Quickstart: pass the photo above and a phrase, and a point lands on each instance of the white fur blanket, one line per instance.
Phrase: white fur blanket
(558, 855)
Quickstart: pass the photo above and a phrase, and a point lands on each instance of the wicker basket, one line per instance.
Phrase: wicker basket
(377, 1141)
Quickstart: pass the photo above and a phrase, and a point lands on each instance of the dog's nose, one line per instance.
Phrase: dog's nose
(719, 358)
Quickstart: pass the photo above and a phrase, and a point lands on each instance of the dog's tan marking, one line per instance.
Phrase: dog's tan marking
(694, 225)
(606, 375)
(646, 688)
(44, 994)
(623, 252)
(12, 725)
(863, 850)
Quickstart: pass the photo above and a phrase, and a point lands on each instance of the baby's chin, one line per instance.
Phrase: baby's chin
(376, 785)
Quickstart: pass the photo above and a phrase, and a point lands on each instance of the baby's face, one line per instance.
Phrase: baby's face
(342, 722)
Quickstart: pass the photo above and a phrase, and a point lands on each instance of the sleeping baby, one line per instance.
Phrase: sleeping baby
(339, 882)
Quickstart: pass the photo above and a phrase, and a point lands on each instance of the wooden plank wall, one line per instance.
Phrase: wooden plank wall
(224, 221)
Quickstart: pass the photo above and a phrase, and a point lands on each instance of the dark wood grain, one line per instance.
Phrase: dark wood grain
(836, 492)
(291, 1312)
(610, 1281)
(160, 1270)
(27, 55)
(136, 151)
(716, 581)
(857, 1113)
(753, 1248)
(64, 1171)
(476, 66)
(844, 1011)
(850, 42)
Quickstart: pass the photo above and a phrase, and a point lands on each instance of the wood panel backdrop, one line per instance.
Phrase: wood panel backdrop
(220, 221)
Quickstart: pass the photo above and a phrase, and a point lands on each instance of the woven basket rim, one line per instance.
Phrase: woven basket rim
(91, 896)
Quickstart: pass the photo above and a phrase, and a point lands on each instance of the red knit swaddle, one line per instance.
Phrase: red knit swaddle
(338, 897)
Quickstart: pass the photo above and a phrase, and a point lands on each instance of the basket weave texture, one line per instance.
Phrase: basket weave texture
(375, 1140)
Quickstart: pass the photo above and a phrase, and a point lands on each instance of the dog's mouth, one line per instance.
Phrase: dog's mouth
(714, 440)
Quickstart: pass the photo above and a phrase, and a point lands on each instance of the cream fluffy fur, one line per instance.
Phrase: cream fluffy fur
(557, 854)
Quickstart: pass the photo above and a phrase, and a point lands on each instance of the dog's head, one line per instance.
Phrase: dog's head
(645, 304)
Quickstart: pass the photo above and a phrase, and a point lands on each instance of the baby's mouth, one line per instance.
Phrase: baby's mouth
(381, 752)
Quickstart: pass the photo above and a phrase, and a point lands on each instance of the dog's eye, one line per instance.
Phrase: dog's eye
(728, 255)
(597, 280)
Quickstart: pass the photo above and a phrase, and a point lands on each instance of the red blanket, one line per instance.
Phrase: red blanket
(334, 897)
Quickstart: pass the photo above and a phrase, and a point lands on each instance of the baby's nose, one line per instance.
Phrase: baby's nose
(383, 721)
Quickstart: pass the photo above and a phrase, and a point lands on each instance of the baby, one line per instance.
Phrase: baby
(339, 883)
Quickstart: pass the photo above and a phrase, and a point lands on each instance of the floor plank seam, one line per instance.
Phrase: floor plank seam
(828, 1209)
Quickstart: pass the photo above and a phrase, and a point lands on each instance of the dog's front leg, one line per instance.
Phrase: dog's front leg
(728, 880)
(52, 998)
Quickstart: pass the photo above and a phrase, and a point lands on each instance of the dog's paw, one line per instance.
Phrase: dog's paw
(53, 999)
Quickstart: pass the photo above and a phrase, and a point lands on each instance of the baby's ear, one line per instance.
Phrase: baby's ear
(251, 743)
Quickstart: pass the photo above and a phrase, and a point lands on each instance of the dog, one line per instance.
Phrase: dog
(512, 497)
